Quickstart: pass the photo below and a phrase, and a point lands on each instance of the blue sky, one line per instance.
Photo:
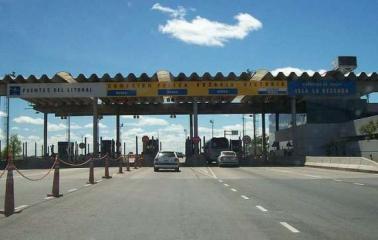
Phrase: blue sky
(44, 37)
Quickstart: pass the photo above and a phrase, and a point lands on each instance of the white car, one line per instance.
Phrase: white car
(228, 158)
(166, 160)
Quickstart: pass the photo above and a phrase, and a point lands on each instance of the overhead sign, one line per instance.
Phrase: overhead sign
(201, 88)
(321, 88)
(147, 89)
(56, 90)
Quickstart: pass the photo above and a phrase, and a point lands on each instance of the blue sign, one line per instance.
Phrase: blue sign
(14, 91)
(122, 93)
(223, 91)
(321, 88)
(172, 92)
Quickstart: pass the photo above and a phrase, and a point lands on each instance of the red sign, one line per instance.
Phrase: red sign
(145, 139)
(196, 139)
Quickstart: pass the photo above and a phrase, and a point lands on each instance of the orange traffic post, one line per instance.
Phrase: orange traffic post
(91, 172)
(120, 171)
(128, 164)
(9, 192)
(136, 162)
(107, 176)
(55, 187)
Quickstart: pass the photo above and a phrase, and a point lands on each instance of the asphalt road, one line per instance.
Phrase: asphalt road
(198, 203)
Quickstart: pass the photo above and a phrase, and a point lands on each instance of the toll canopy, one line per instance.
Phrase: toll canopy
(163, 93)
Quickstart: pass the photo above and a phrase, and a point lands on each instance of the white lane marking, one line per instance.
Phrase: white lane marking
(296, 173)
(226, 185)
(288, 226)
(359, 184)
(48, 198)
(338, 180)
(99, 181)
(212, 172)
(72, 190)
(203, 171)
(245, 197)
(220, 180)
(21, 207)
(233, 189)
(261, 208)
(88, 184)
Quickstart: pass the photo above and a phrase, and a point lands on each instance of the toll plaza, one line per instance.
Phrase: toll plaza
(164, 94)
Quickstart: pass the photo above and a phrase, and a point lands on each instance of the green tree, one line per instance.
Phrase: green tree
(15, 147)
(369, 129)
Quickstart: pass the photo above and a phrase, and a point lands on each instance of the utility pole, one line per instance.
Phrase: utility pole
(254, 135)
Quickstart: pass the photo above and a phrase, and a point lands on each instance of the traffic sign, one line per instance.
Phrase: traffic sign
(82, 145)
(196, 139)
(247, 139)
(145, 139)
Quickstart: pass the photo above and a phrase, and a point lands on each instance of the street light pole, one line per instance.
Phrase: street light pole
(212, 128)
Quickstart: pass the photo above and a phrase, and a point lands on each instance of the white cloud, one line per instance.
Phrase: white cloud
(180, 12)
(52, 127)
(90, 125)
(298, 71)
(148, 121)
(204, 32)
(28, 120)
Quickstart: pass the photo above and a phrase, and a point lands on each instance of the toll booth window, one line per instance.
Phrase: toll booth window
(220, 143)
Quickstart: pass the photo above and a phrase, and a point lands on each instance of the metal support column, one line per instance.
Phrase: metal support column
(263, 136)
(95, 127)
(254, 136)
(293, 123)
(195, 125)
(118, 140)
(277, 122)
(45, 147)
(191, 126)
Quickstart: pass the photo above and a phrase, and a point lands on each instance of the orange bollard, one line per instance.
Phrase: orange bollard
(91, 173)
(136, 162)
(9, 193)
(120, 171)
(55, 187)
(128, 165)
(107, 176)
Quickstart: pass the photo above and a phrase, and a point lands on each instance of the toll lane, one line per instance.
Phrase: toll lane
(312, 200)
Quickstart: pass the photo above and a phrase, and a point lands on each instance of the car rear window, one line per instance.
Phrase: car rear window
(228, 153)
(167, 154)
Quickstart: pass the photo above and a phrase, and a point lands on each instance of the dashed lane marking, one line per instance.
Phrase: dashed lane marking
(21, 207)
(72, 190)
(49, 198)
(233, 189)
(288, 226)
(338, 180)
(212, 173)
(87, 185)
(220, 180)
(98, 181)
(245, 197)
(226, 185)
(359, 184)
(261, 208)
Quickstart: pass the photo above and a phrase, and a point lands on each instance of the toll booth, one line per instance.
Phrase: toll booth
(66, 150)
(236, 146)
(108, 147)
(150, 149)
(189, 151)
